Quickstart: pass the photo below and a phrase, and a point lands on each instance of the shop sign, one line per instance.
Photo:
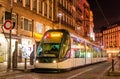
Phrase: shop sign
(26, 51)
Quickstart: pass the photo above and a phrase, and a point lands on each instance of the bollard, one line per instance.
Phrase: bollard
(112, 65)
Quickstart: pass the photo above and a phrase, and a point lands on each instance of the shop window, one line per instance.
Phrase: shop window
(39, 27)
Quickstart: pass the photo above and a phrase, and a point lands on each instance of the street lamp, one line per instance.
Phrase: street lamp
(78, 28)
(59, 17)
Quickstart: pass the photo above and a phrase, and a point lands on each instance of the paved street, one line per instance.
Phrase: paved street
(96, 71)
(3, 66)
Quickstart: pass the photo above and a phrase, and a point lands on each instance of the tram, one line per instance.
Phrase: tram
(61, 50)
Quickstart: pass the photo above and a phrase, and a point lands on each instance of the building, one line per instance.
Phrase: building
(33, 17)
(111, 40)
(99, 38)
(91, 33)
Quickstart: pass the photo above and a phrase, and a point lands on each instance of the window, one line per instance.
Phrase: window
(35, 5)
(50, 12)
(40, 6)
(14, 18)
(19, 1)
(50, 8)
(45, 9)
(28, 3)
(26, 24)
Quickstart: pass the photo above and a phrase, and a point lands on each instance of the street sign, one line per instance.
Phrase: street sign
(8, 25)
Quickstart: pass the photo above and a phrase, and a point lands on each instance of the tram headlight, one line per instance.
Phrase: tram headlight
(54, 61)
(36, 61)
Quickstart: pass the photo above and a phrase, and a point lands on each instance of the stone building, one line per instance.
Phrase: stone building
(33, 17)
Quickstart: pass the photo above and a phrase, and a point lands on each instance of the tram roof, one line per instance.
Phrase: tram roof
(75, 36)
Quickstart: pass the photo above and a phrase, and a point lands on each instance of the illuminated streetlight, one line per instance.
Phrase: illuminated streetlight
(59, 16)
(78, 28)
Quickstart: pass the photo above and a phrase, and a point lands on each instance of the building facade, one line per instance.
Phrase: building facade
(99, 38)
(33, 17)
(111, 40)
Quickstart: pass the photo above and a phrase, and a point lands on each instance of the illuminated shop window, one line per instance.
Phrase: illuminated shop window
(39, 27)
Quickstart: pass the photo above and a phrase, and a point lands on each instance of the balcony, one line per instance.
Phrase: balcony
(66, 11)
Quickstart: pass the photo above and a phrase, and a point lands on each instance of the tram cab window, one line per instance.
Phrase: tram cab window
(65, 46)
(54, 47)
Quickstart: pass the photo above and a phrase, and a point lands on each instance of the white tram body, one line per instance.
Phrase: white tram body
(72, 51)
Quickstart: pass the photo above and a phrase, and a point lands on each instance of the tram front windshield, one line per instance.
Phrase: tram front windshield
(50, 45)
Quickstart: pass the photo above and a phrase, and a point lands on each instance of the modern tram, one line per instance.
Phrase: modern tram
(61, 50)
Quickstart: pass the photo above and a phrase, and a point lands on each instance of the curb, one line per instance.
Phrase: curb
(115, 73)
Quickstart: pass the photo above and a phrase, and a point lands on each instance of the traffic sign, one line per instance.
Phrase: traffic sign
(8, 25)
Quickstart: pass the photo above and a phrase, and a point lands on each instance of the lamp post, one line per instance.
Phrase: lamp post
(59, 17)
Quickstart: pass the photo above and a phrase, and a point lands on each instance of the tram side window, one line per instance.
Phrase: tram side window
(74, 48)
(78, 49)
(82, 54)
(77, 53)
(94, 53)
(82, 50)
(99, 52)
(102, 53)
(89, 52)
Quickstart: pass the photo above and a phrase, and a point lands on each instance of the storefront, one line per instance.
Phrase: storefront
(113, 52)
(3, 48)
(25, 48)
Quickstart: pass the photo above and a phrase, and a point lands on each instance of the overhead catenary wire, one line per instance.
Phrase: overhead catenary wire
(102, 12)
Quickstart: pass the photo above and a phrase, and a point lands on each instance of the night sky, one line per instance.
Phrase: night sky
(110, 9)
